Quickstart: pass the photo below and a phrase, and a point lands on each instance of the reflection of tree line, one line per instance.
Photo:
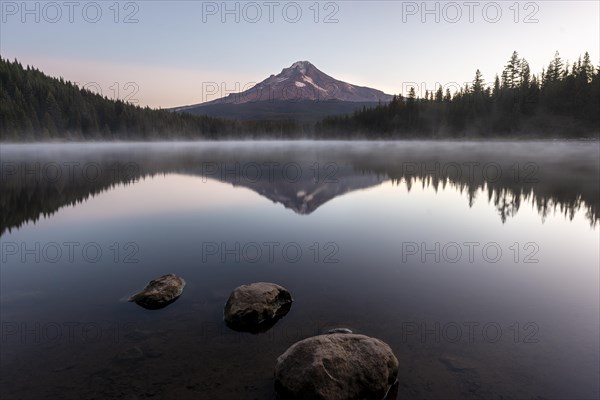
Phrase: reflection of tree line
(549, 187)
(27, 200)
(566, 185)
(508, 199)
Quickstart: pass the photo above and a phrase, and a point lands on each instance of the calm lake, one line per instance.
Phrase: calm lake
(477, 262)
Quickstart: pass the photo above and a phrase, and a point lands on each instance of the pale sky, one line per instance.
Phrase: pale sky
(166, 53)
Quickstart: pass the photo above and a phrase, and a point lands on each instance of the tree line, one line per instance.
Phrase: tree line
(562, 101)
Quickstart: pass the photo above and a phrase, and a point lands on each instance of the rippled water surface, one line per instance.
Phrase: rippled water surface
(477, 262)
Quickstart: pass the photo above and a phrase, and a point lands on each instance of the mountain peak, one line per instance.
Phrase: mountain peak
(302, 65)
(302, 81)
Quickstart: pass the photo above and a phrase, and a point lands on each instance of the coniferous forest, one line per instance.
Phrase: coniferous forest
(562, 101)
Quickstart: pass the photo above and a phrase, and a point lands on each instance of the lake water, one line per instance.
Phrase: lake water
(477, 262)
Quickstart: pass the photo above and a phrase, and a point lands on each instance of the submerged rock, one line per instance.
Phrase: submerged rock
(160, 292)
(256, 307)
(131, 354)
(457, 364)
(339, 366)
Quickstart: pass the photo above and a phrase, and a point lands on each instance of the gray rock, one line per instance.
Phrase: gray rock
(339, 366)
(160, 292)
(256, 307)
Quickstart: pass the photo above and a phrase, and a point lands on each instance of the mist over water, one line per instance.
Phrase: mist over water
(477, 262)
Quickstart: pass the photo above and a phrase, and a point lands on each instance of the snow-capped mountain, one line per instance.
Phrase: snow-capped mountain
(301, 83)
(304, 81)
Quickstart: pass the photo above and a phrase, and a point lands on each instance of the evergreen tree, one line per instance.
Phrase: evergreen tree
(512, 72)
(478, 83)
(587, 69)
(439, 95)
(555, 70)
(525, 75)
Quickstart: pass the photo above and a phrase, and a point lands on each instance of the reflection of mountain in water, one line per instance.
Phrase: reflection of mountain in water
(304, 176)
(304, 193)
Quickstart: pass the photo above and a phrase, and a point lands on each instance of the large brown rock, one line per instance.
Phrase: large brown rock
(160, 292)
(256, 307)
(339, 366)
